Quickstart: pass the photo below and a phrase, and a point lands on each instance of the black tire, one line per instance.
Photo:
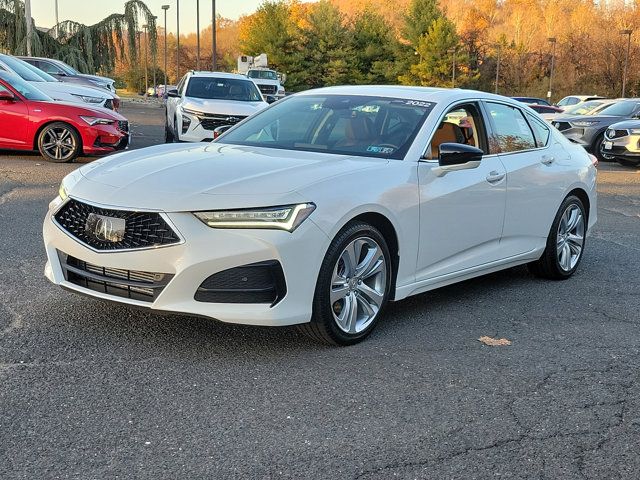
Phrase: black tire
(597, 150)
(627, 163)
(548, 266)
(68, 148)
(323, 327)
(168, 134)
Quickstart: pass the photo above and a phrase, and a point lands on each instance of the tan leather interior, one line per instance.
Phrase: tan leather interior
(357, 130)
(446, 133)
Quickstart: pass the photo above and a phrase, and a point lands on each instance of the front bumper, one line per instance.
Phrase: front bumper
(203, 252)
(583, 136)
(103, 139)
(623, 148)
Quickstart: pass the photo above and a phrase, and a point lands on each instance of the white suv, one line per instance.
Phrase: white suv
(204, 101)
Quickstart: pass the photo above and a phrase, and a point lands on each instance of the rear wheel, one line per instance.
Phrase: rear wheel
(565, 243)
(353, 286)
(58, 142)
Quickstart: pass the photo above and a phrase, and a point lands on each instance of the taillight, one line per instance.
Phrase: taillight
(594, 160)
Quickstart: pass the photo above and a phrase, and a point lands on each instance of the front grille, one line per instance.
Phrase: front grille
(108, 104)
(611, 133)
(123, 126)
(133, 284)
(211, 122)
(142, 229)
(562, 125)
(255, 283)
(268, 89)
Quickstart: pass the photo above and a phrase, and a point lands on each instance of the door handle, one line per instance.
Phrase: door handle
(547, 160)
(494, 176)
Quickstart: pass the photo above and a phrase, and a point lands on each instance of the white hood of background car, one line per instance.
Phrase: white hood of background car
(224, 107)
(205, 176)
(68, 91)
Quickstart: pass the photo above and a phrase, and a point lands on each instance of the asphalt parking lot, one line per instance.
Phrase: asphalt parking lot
(93, 390)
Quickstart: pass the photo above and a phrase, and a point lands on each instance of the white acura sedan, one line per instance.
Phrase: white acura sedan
(323, 207)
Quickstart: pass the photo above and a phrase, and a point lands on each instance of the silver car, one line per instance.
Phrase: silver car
(622, 143)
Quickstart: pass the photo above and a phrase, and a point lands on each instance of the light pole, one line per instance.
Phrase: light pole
(155, 59)
(198, 34)
(27, 16)
(146, 70)
(57, 21)
(165, 8)
(138, 34)
(453, 70)
(553, 42)
(213, 36)
(497, 70)
(178, 40)
(626, 60)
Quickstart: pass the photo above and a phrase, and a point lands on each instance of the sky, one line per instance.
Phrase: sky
(92, 11)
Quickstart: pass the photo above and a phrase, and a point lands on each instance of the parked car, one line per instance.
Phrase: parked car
(590, 107)
(164, 89)
(545, 109)
(31, 120)
(622, 143)
(66, 73)
(324, 206)
(204, 101)
(532, 100)
(588, 130)
(64, 92)
(576, 99)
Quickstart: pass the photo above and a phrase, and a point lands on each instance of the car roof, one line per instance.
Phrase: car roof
(430, 94)
(206, 73)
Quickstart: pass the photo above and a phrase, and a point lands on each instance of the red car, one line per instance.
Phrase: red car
(30, 120)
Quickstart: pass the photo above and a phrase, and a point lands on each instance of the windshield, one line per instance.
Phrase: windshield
(44, 75)
(223, 89)
(67, 68)
(341, 124)
(264, 74)
(20, 68)
(583, 108)
(621, 109)
(24, 88)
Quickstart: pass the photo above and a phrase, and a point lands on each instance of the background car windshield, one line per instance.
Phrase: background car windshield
(223, 89)
(266, 74)
(621, 109)
(18, 66)
(42, 74)
(583, 108)
(340, 124)
(24, 88)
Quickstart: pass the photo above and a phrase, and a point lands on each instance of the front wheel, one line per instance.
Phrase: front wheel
(597, 150)
(565, 243)
(168, 134)
(58, 142)
(353, 286)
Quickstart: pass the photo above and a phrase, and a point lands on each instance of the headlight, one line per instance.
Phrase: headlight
(62, 192)
(287, 218)
(97, 120)
(94, 100)
(585, 123)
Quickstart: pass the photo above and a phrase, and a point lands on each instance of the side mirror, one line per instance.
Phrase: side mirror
(220, 130)
(7, 96)
(270, 99)
(173, 93)
(452, 154)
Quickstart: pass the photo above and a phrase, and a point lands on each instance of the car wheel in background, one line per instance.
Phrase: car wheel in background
(597, 150)
(565, 243)
(59, 142)
(168, 134)
(353, 286)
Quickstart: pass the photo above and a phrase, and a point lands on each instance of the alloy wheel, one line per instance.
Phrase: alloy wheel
(358, 285)
(59, 143)
(570, 237)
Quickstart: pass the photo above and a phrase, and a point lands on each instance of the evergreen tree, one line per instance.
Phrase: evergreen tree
(374, 48)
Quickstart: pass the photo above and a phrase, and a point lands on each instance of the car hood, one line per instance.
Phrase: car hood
(626, 124)
(224, 107)
(98, 78)
(52, 108)
(180, 177)
(72, 89)
(587, 118)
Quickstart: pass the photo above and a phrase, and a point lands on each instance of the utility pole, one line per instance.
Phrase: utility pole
(146, 69)
(213, 36)
(553, 42)
(497, 70)
(57, 21)
(453, 70)
(198, 34)
(178, 40)
(626, 60)
(165, 8)
(27, 15)
(155, 59)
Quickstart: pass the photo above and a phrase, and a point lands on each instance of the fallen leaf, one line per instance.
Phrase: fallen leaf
(494, 342)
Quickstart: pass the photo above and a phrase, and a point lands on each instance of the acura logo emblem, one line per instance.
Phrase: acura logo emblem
(233, 119)
(105, 229)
